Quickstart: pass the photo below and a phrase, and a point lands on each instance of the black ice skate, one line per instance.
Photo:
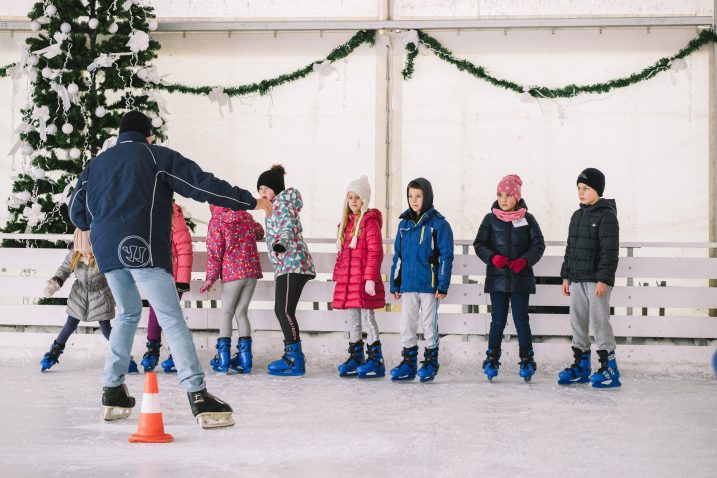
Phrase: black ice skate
(210, 411)
(116, 402)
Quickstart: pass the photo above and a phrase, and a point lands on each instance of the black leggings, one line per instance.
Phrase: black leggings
(287, 293)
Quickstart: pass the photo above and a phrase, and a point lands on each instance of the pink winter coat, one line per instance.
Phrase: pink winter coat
(181, 247)
(355, 266)
(231, 246)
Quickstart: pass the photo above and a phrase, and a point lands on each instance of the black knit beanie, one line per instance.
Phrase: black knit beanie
(272, 178)
(594, 178)
(136, 121)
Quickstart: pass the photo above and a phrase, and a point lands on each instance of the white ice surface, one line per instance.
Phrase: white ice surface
(321, 425)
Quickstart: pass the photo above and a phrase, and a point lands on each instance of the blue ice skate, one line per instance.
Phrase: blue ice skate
(607, 376)
(151, 356)
(491, 364)
(292, 364)
(242, 360)
(132, 369)
(168, 365)
(52, 356)
(429, 366)
(527, 365)
(579, 371)
(374, 366)
(356, 358)
(406, 370)
(222, 359)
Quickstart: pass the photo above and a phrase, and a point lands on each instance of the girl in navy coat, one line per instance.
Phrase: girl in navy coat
(510, 242)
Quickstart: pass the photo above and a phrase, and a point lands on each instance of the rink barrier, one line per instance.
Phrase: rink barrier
(680, 309)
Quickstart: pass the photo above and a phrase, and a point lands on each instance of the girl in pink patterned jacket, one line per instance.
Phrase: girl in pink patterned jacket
(232, 256)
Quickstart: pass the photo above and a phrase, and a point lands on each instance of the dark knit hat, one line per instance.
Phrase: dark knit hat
(136, 121)
(594, 178)
(272, 178)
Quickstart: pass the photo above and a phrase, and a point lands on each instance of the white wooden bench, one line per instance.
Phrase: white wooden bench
(686, 298)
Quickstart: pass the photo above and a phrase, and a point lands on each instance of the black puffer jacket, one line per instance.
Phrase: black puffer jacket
(499, 237)
(593, 244)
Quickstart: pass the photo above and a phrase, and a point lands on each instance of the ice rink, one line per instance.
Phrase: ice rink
(321, 425)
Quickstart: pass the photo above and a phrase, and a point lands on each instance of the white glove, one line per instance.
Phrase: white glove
(370, 287)
(51, 288)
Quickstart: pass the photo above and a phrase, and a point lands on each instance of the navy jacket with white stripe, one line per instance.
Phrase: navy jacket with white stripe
(124, 197)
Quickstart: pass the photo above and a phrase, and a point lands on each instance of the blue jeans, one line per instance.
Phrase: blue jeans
(159, 289)
(499, 316)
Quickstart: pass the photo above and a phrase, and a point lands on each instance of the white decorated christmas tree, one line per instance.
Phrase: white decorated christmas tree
(88, 63)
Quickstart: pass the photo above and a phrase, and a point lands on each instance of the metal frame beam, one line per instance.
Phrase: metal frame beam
(207, 25)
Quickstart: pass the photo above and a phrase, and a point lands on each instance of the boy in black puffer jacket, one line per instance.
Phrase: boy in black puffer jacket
(588, 273)
(510, 242)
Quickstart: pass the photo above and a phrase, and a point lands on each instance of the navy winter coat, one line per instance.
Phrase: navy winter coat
(124, 197)
(593, 244)
(504, 238)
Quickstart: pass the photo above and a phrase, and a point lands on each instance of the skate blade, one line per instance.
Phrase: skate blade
(348, 375)
(286, 374)
(215, 419)
(608, 384)
(170, 370)
(570, 382)
(116, 413)
(527, 379)
(374, 375)
(427, 379)
(403, 379)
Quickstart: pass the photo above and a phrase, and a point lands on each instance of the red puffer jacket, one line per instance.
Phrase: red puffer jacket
(181, 247)
(355, 266)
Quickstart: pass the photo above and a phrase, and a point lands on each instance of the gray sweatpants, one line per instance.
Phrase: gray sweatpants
(355, 329)
(419, 306)
(236, 296)
(590, 311)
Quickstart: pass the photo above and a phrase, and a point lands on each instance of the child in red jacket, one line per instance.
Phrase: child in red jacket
(182, 256)
(232, 255)
(357, 278)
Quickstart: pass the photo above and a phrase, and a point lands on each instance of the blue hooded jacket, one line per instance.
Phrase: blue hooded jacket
(423, 250)
(124, 197)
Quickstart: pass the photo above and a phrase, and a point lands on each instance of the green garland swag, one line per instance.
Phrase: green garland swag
(663, 64)
(368, 36)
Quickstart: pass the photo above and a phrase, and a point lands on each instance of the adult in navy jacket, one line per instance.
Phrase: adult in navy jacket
(124, 197)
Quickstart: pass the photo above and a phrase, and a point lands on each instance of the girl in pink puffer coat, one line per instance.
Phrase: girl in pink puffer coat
(232, 256)
(357, 277)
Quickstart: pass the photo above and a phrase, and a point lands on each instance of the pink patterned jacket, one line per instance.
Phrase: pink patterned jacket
(231, 246)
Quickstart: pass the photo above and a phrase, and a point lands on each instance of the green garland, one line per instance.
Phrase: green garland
(262, 87)
(705, 37)
(3, 70)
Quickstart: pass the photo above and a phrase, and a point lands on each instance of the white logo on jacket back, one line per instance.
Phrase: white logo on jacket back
(133, 251)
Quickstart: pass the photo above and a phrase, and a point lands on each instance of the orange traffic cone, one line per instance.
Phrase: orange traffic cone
(151, 427)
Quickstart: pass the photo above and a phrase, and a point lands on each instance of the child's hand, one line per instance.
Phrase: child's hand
(440, 295)
(51, 287)
(601, 289)
(518, 265)
(396, 295)
(205, 287)
(370, 288)
(264, 205)
(566, 287)
(499, 261)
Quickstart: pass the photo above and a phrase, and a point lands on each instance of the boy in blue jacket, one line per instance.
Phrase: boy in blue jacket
(420, 275)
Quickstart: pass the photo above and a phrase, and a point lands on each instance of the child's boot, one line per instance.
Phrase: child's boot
(491, 363)
(168, 365)
(52, 356)
(406, 370)
(356, 358)
(429, 366)
(579, 371)
(292, 364)
(224, 350)
(607, 376)
(527, 364)
(242, 361)
(151, 356)
(374, 366)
